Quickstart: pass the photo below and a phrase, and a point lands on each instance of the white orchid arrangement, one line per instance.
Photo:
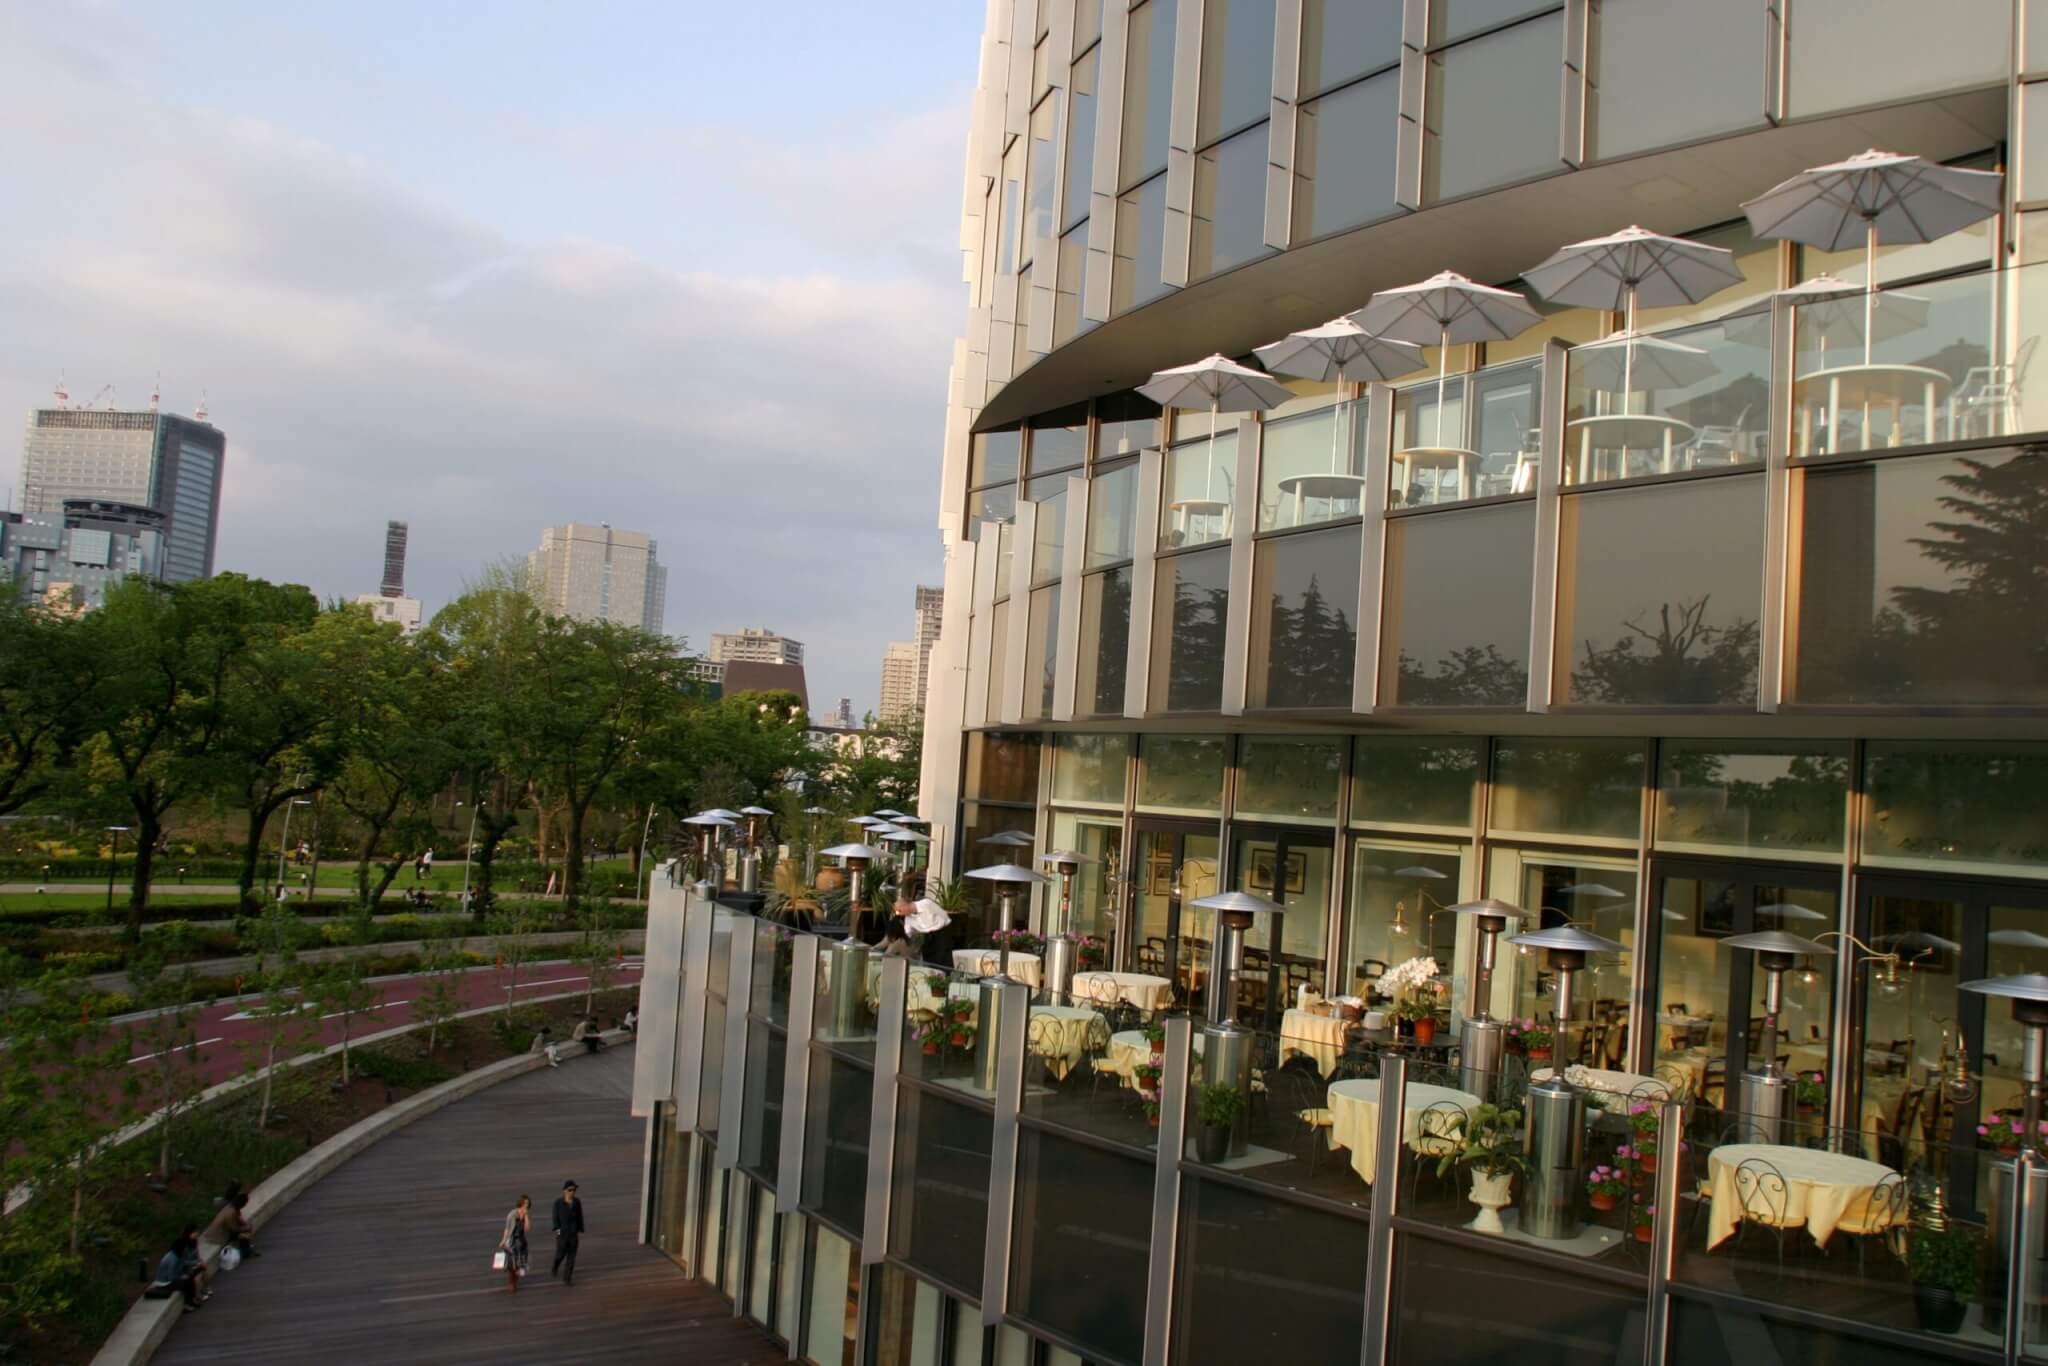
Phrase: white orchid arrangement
(1412, 985)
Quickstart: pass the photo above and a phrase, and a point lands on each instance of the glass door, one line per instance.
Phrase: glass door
(1173, 862)
(1100, 840)
(1709, 1003)
(1295, 868)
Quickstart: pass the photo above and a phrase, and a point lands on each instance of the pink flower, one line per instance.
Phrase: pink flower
(2018, 1127)
(1983, 1132)
(1624, 1152)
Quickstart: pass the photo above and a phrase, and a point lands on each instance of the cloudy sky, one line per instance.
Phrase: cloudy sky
(686, 267)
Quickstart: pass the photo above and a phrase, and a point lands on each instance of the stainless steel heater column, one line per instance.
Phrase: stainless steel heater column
(1008, 882)
(707, 827)
(750, 856)
(1765, 1102)
(1226, 1044)
(854, 858)
(1062, 955)
(2019, 1206)
(1482, 1043)
(1555, 1128)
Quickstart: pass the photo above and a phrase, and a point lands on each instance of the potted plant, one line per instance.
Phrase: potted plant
(1411, 986)
(1090, 952)
(1146, 1077)
(1217, 1107)
(1020, 941)
(1809, 1091)
(1155, 1039)
(1943, 1266)
(1642, 1122)
(1642, 1219)
(2003, 1134)
(951, 1025)
(1605, 1186)
(1490, 1144)
(1536, 1042)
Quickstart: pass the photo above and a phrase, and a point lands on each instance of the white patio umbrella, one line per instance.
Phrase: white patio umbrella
(1223, 386)
(1634, 265)
(1875, 197)
(1627, 359)
(1446, 308)
(1826, 310)
(1339, 350)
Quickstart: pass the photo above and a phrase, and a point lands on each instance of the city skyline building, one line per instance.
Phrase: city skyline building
(755, 645)
(1678, 614)
(900, 699)
(174, 465)
(67, 563)
(596, 572)
(395, 536)
(930, 605)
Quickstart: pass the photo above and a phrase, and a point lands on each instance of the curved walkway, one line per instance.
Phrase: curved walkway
(388, 1259)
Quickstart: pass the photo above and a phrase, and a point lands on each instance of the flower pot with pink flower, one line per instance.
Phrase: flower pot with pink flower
(1606, 1186)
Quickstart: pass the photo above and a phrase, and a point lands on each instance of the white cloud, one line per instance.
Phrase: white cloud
(374, 353)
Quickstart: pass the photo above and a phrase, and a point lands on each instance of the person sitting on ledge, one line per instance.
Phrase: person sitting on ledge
(587, 1034)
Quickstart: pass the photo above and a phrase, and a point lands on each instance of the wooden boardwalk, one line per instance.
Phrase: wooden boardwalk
(387, 1261)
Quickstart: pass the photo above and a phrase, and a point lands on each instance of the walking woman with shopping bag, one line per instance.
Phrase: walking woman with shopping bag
(511, 1255)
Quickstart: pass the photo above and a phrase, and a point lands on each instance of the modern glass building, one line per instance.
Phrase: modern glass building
(1773, 658)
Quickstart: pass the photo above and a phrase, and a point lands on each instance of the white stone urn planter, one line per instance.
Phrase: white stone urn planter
(1492, 1193)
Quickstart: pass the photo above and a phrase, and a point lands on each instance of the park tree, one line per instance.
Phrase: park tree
(165, 1043)
(599, 942)
(343, 991)
(439, 999)
(42, 673)
(160, 704)
(286, 1023)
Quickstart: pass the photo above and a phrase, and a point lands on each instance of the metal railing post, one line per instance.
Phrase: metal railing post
(1012, 1004)
(796, 1072)
(1663, 1233)
(1173, 1114)
(2019, 1245)
(732, 1081)
(882, 1118)
(1386, 1185)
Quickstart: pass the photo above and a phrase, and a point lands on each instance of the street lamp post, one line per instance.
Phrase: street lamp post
(113, 860)
(469, 849)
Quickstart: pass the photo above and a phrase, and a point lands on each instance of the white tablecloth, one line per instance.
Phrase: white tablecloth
(1319, 1038)
(1023, 966)
(1140, 989)
(1821, 1188)
(1129, 1047)
(1062, 1035)
(1355, 1117)
(1617, 1090)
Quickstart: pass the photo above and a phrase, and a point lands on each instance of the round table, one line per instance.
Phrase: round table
(1822, 1189)
(1319, 1038)
(1024, 967)
(1438, 458)
(1333, 488)
(1681, 1031)
(1129, 1047)
(1617, 1090)
(1355, 1117)
(1190, 510)
(1866, 385)
(1063, 1034)
(1627, 432)
(1140, 989)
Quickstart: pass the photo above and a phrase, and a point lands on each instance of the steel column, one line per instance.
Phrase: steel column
(739, 987)
(796, 1072)
(874, 1240)
(1012, 1006)
(1173, 1112)
(1379, 1266)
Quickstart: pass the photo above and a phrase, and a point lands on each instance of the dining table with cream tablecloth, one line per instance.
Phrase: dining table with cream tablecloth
(1613, 1090)
(1128, 1048)
(1822, 1189)
(1355, 1117)
(1140, 989)
(1024, 967)
(1063, 1035)
(1319, 1038)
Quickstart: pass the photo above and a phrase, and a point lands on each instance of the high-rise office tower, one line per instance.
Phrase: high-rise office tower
(394, 559)
(900, 695)
(169, 464)
(599, 573)
(931, 608)
(755, 645)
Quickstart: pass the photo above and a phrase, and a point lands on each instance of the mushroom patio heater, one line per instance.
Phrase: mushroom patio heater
(847, 960)
(1061, 953)
(1010, 881)
(1766, 1088)
(2028, 993)
(750, 856)
(709, 827)
(1226, 1044)
(904, 843)
(811, 844)
(1555, 1136)
(1007, 840)
(1482, 1044)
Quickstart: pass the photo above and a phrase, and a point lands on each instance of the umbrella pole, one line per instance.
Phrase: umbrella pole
(1337, 422)
(1870, 284)
(1209, 462)
(1443, 362)
(1628, 357)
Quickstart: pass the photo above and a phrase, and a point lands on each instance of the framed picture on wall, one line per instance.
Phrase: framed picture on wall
(1159, 872)
(1259, 876)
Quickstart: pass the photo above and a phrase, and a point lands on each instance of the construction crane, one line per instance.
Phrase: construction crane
(93, 402)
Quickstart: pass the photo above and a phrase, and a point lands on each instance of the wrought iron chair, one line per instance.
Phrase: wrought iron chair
(1305, 1097)
(1439, 1129)
(1761, 1188)
(1883, 1218)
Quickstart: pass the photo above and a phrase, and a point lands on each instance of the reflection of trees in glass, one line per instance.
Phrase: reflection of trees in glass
(1003, 767)
(1194, 680)
(1113, 647)
(1800, 808)
(1576, 787)
(1473, 676)
(1962, 643)
(1970, 802)
(1411, 782)
(1290, 777)
(1183, 773)
(1681, 659)
(1310, 652)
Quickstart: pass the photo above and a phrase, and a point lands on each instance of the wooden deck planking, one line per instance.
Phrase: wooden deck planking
(387, 1261)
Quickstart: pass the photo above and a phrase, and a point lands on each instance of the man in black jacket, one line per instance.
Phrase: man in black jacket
(568, 1232)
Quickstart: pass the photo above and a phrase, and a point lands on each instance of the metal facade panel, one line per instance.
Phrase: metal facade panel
(1549, 505)
(1144, 572)
(1377, 409)
(661, 984)
(687, 1086)
(796, 1071)
(889, 1031)
(732, 1082)
(1023, 550)
(1074, 553)
(1244, 521)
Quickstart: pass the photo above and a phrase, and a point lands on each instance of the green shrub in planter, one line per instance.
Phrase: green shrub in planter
(1944, 1266)
(1217, 1107)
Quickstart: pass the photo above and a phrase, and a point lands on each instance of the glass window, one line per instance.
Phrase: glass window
(1011, 223)
(761, 1110)
(1230, 1307)
(1087, 23)
(1049, 529)
(1341, 39)
(835, 1178)
(1059, 440)
(1229, 223)
(1849, 53)
(835, 1298)
(1200, 488)
(1468, 146)
(1639, 98)
(1042, 653)
(1911, 574)
(1080, 167)
(1088, 770)
(1096, 883)
(1140, 243)
(1148, 92)
(1519, 1316)
(1071, 288)
(1237, 66)
(1082, 1246)
(1398, 892)
(940, 1223)
(1585, 789)
(1002, 768)
(1289, 781)
(1451, 20)
(1658, 594)
(1112, 514)
(1181, 774)
(1304, 627)
(1479, 442)
(1310, 467)
(1757, 259)
(1692, 399)
(1345, 146)
(1777, 802)
(1041, 180)
(997, 457)
(1128, 422)
(1596, 895)
(1427, 782)
(1105, 643)
(1456, 609)
(1953, 805)
(1188, 617)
